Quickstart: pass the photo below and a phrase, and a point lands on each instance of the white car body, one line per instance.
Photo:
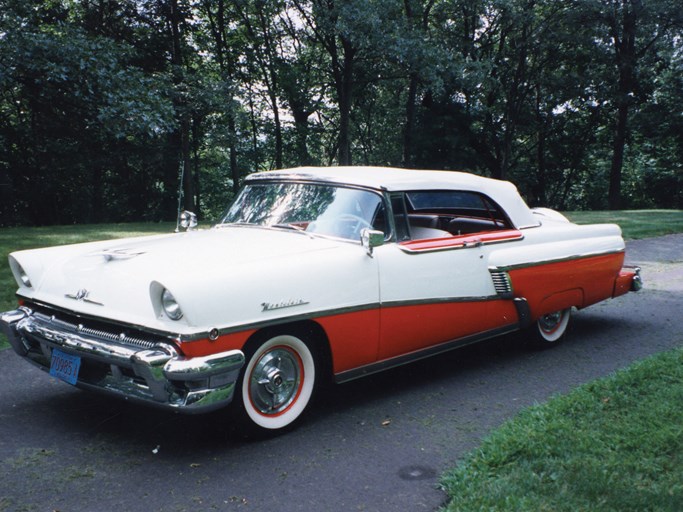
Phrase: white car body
(403, 293)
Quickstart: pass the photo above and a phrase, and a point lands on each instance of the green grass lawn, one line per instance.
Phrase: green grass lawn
(635, 223)
(15, 239)
(615, 444)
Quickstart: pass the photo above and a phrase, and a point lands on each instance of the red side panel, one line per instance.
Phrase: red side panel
(578, 282)
(623, 282)
(406, 329)
(353, 338)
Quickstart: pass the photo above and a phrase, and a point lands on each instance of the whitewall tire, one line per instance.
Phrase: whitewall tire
(278, 382)
(550, 329)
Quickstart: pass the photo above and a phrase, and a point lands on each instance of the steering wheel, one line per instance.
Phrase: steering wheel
(350, 225)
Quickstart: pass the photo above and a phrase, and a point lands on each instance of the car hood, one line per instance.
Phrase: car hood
(119, 279)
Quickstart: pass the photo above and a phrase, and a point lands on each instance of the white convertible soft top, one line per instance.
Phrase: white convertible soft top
(401, 180)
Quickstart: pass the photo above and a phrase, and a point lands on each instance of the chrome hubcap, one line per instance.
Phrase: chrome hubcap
(549, 323)
(275, 380)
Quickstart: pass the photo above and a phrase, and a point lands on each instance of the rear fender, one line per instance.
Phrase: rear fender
(561, 300)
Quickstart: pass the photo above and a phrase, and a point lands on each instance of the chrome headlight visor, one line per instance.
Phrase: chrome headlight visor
(19, 273)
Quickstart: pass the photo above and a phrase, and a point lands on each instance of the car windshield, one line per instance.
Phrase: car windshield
(321, 209)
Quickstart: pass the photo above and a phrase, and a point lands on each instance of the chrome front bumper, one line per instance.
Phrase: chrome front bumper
(154, 373)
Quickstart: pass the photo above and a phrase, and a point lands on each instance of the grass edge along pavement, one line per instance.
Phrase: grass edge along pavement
(614, 444)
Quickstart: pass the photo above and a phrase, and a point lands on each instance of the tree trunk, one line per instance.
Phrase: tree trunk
(345, 94)
(225, 63)
(409, 127)
(188, 181)
(625, 54)
(614, 195)
(301, 128)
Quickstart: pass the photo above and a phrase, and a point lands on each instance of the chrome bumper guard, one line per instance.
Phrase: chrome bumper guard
(637, 283)
(158, 375)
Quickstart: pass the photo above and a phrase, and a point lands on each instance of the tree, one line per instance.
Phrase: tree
(102, 102)
(631, 30)
(68, 112)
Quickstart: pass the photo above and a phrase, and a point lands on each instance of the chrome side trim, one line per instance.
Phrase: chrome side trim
(343, 311)
(272, 322)
(212, 333)
(441, 300)
(468, 245)
(564, 259)
(369, 369)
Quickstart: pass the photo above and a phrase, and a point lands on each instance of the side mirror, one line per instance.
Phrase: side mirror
(188, 220)
(370, 238)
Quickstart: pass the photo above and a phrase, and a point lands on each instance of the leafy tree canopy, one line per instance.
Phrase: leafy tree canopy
(111, 109)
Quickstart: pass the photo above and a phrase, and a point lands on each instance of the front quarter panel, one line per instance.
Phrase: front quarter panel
(340, 279)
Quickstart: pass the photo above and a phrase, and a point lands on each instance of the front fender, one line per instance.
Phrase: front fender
(293, 287)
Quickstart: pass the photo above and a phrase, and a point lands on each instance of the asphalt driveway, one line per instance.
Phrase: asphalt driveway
(376, 444)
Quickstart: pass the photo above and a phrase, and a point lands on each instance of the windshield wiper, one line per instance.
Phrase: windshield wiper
(227, 224)
(292, 227)
(287, 226)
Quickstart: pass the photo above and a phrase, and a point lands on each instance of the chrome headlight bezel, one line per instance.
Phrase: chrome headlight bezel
(170, 305)
(20, 274)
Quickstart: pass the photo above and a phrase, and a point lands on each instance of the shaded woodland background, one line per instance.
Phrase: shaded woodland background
(105, 104)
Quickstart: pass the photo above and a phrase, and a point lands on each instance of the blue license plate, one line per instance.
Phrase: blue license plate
(65, 366)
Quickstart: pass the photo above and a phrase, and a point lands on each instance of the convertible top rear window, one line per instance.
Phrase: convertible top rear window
(459, 200)
(441, 213)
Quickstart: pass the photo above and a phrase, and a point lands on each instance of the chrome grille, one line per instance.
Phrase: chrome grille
(501, 282)
(102, 334)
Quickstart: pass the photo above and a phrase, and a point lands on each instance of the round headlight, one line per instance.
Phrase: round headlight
(171, 307)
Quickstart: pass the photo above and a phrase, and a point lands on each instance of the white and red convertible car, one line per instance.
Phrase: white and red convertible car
(311, 273)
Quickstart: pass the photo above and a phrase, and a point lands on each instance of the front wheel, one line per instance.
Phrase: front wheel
(550, 329)
(278, 383)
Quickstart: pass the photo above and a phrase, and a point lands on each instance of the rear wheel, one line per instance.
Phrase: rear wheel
(550, 329)
(278, 383)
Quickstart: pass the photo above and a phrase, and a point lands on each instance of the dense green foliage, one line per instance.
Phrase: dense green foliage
(105, 104)
(611, 445)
